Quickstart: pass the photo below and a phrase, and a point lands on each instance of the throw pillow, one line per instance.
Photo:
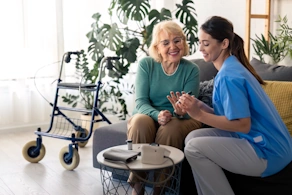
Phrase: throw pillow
(206, 91)
(272, 72)
(281, 95)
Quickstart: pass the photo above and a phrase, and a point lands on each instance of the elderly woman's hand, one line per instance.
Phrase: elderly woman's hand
(164, 117)
(173, 98)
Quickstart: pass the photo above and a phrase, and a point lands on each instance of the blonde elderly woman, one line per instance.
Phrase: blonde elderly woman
(156, 117)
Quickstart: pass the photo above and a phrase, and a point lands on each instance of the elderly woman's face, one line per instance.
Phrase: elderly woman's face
(170, 47)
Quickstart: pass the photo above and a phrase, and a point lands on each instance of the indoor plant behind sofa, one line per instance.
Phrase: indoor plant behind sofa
(116, 134)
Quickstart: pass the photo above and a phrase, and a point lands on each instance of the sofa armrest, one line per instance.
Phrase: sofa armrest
(108, 136)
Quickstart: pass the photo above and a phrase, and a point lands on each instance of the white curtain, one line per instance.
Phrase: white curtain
(33, 37)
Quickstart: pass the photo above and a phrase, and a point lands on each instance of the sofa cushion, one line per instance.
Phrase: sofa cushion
(279, 183)
(207, 69)
(272, 72)
(280, 92)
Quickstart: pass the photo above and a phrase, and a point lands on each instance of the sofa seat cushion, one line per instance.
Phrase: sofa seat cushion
(279, 183)
(280, 93)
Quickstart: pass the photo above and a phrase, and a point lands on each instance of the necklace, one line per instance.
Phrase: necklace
(170, 74)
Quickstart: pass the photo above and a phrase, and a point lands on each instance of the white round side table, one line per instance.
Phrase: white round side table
(119, 185)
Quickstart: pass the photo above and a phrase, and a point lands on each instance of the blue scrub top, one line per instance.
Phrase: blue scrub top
(237, 94)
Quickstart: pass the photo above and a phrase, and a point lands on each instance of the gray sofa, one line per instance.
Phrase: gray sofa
(116, 134)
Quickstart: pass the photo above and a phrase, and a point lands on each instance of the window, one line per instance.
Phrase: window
(34, 36)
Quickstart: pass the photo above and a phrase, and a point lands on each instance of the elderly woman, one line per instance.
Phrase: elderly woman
(156, 117)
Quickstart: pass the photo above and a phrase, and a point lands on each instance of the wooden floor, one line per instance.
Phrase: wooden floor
(48, 177)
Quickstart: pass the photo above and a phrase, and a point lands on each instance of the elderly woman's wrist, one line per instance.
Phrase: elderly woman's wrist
(180, 116)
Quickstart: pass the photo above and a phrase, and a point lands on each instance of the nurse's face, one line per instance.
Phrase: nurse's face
(210, 47)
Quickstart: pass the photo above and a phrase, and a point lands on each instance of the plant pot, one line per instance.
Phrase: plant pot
(86, 121)
(268, 59)
(287, 61)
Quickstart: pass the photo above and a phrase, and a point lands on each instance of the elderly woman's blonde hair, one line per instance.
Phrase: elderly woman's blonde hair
(169, 27)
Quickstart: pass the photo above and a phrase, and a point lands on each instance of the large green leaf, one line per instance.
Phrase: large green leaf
(96, 50)
(96, 16)
(192, 38)
(186, 12)
(135, 10)
(186, 15)
(111, 36)
(128, 49)
(155, 17)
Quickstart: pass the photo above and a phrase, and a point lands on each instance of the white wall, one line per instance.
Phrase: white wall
(235, 11)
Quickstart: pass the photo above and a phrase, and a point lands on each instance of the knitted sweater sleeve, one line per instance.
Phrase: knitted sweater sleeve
(142, 86)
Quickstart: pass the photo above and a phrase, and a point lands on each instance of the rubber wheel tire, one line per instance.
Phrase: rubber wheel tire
(82, 135)
(27, 152)
(72, 163)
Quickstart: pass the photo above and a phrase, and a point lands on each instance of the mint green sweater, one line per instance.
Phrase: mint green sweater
(153, 85)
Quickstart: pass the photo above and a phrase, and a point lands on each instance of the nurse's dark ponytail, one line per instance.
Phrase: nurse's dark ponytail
(237, 49)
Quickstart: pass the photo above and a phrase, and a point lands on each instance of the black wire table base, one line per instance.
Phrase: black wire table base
(115, 181)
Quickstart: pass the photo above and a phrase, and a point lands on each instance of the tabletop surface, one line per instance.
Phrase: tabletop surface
(175, 154)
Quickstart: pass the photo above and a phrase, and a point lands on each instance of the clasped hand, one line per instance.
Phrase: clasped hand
(164, 117)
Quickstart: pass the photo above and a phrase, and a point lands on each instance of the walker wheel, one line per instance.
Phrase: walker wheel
(82, 135)
(72, 163)
(30, 154)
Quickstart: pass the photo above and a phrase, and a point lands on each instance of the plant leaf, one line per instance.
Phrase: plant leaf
(133, 9)
(128, 49)
(186, 14)
(110, 36)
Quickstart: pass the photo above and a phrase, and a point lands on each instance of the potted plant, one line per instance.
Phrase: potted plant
(125, 41)
(276, 47)
(269, 50)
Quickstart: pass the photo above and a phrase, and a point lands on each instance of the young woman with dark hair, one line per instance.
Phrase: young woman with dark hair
(248, 135)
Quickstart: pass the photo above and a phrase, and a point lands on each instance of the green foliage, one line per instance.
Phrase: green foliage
(269, 47)
(111, 92)
(277, 46)
(126, 41)
(186, 14)
(132, 9)
(285, 34)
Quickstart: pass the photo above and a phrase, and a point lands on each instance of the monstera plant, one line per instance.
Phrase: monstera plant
(126, 37)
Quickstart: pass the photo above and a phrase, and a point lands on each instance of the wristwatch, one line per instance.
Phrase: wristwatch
(178, 116)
